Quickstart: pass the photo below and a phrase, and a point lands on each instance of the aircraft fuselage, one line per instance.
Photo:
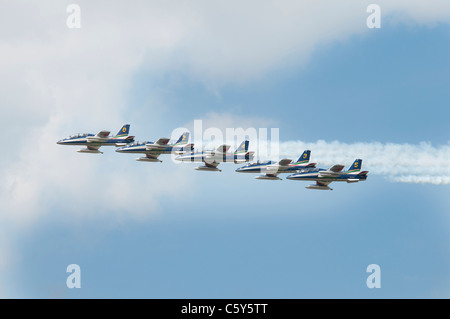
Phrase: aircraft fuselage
(90, 139)
(317, 175)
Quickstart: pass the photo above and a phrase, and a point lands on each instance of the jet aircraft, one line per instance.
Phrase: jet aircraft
(271, 169)
(324, 177)
(153, 149)
(94, 142)
(213, 158)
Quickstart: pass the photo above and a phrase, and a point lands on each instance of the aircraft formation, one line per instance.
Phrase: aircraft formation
(300, 170)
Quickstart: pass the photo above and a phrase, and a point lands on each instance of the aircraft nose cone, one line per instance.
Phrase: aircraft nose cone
(59, 142)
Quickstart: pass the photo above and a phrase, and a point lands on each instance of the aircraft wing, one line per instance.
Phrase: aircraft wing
(162, 141)
(337, 168)
(158, 145)
(103, 134)
(332, 172)
(271, 170)
(223, 148)
(92, 147)
(153, 155)
(284, 162)
(322, 183)
(213, 164)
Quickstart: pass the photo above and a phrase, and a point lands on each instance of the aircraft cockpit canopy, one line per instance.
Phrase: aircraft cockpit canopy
(260, 163)
(78, 135)
(136, 143)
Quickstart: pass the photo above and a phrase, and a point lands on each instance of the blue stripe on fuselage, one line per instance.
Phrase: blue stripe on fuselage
(83, 141)
(314, 176)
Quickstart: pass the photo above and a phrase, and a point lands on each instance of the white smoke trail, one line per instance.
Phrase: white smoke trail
(406, 163)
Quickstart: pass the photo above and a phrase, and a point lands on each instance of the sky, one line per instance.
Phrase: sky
(313, 70)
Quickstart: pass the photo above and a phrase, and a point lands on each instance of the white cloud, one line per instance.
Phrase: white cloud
(49, 176)
(417, 12)
(59, 81)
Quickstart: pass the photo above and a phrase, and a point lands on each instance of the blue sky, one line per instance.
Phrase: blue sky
(254, 246)
(144, 230)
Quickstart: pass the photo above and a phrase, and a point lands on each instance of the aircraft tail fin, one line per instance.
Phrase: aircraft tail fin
(356, 167)
(183, 140)
(124, 131)
(304, 158)
(242, 149)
